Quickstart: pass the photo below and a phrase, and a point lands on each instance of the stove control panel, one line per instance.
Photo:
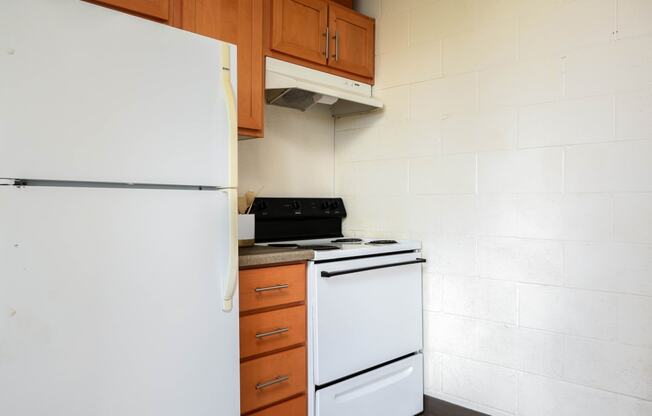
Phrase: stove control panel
(275, 208)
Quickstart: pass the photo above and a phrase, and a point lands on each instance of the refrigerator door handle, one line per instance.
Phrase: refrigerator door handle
(232, 115)
(232, 118)
(232, 260)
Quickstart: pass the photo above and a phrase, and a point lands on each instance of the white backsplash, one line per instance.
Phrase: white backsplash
(294, 159)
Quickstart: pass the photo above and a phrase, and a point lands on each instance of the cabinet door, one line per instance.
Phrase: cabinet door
(299, 28)
(351, 41)
(239, 22)
(158, 9)
(213, 18)
(345, 3)
(251, 69)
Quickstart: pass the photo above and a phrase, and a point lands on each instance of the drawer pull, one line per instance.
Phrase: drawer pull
(271, 382)
(274, 332)
(268, 288)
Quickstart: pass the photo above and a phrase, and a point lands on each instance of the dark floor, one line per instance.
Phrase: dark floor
(436, 407)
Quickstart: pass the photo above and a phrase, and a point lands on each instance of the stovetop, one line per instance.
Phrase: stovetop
(346, 247)
(316, 224)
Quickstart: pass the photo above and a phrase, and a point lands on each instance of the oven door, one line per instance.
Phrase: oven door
(366, 312)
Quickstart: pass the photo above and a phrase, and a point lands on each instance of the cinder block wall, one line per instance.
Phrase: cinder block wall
(517, 145)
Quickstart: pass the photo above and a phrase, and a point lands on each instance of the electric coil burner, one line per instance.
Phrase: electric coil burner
(347, 240)
(364, 309)
(316, 247)
(381, 242)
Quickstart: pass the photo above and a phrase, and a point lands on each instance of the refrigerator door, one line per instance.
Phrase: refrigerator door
(92, 94)
(111, 303)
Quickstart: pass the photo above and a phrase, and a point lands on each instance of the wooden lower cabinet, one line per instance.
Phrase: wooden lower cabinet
(273, 330)
(272, 287)
(294, 407)
(272, 378)
(273, 333)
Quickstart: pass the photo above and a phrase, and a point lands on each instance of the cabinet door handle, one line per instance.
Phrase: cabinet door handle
(260, 335)
(337, 46)
(275, 287)
(271, 382)
(328, 41)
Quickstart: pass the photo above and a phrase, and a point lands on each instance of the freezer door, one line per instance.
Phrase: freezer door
(393, 390)
(92, 94)
(111, 303)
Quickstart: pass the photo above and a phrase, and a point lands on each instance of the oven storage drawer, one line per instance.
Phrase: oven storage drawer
(392, 390)
(364, 314)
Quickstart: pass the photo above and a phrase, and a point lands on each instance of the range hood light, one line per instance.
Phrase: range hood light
(325, 99)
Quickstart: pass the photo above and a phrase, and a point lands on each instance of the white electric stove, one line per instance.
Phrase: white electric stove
(365, 335)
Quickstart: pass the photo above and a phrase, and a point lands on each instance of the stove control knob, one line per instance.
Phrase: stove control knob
(324, 205)
(335, 205)
(295, 205)
(259, 206)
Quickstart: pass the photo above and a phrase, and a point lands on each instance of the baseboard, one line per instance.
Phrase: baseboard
(436, 407)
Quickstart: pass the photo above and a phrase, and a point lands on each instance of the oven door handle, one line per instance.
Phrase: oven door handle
(364, 269)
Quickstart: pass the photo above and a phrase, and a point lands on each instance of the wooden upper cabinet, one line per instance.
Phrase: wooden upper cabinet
(322, 35)
(298, 28)
(213, 18)
(235, 21)
(251, 69)
(345, 3)
(155, 9)
(351, 41)
(239, 22)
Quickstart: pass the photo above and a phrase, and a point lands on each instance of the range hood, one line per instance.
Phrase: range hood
(298, 87)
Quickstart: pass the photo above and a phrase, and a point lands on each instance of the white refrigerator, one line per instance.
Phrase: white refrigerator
(118, 248)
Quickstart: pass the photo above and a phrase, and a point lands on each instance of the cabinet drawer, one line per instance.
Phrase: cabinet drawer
(273, 378)
(269, 331)
(294, 407)
(272, 286)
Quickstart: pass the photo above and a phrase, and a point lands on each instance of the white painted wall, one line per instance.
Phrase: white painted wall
(517, 144)
(294, 159)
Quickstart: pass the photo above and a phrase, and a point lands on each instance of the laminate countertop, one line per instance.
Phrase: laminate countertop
(264, 256)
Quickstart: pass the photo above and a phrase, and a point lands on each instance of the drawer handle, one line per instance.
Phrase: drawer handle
(271, 382)
(268, 288)
(274, 332)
